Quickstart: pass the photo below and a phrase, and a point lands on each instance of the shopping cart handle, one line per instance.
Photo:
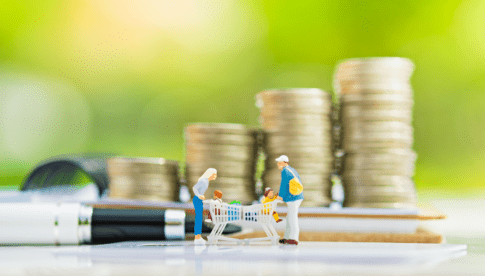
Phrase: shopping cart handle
(208, 201)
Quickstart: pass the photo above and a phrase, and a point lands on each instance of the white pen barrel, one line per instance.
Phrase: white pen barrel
(43, 223)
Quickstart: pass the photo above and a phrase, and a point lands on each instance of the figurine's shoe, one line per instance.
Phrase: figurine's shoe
(280, 220)
(283, 241)
(200, 241)
(291, 242)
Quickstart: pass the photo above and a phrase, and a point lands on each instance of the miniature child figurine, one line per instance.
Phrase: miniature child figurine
(218, 198)
(269, 196)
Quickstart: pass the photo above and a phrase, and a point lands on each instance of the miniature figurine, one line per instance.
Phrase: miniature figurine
(199, 190)
(270, 196)
(218, 198)
(291, 190)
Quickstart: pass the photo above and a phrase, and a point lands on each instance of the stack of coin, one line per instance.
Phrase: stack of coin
(229, 148)
(297, 123)
(376, 102)
(154, 179)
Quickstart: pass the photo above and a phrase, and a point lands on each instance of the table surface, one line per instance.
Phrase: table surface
(464, 254)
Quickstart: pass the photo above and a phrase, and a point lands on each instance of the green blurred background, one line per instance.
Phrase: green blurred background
(127, 76)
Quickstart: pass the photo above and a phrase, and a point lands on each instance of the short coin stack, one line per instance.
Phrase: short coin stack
(229, 148)
(297, 123)
(154, 179)
(376, 102)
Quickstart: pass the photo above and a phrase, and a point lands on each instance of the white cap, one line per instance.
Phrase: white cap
(282, 158)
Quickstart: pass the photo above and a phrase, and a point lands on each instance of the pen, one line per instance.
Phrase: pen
(74, 223)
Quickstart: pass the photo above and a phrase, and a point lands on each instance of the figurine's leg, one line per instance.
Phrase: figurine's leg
(275, 216)
(198, 206)
(293, 219)
(288, 227)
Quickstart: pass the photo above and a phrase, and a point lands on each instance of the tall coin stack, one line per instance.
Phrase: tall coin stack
(229, 148)
(154, 179)
(376, 102)
(297, 123)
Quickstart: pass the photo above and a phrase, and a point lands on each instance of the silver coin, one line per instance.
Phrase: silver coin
(272, 95)
(379, 126)
(379, 195)
(289, 144)
(274, 110)
(295, 100)
(379, 205)
(381, 109)
(226, 167)
(374, 66)
(113, 169)
(409, 156)
(366, 99)
(378, 138)
(218, 128)
(142, 160)
(318, 156)
(292, 116)
(223, 139)
(296, 151)
(375, 86)
(201, 156)
(311, 178)
(403, 169)
(225, 181)
(216, 147)
(389, 171)
(380, 199)
(380, 188)
(307, 181)
(311, 107)
(369, 178)
(275, 121)
(223, 173)
(399, 151)
(306, 167)
(371, 147)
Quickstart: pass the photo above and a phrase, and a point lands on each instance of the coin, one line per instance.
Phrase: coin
(366, 99)
(297, 123)
(273, 95)
(381, 158)
(218, 128)
(240, 170)
(217, 138)
(378, 115)
(292, 116)
(193, 156)
(375, 112)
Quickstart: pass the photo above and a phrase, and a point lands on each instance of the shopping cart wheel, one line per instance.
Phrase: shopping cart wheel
(210, 240)
(275, 240)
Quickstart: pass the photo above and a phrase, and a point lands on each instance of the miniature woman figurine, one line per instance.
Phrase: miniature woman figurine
(199, 190)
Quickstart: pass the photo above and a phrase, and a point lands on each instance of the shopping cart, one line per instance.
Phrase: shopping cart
(223, 213)
(262, 214)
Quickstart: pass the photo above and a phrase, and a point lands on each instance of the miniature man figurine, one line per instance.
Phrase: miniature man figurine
(292, 231)
(217, 198)
(270, 196)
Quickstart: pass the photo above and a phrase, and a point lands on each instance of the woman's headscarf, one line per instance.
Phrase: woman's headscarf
(208, 173)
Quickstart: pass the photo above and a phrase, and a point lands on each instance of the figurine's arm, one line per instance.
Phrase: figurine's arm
(284, 185)
(196, 190)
